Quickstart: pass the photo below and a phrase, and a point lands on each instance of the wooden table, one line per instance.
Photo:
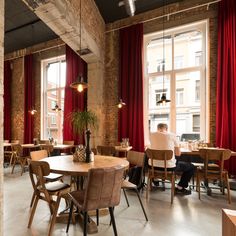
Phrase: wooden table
(123, 149)
(66, 166)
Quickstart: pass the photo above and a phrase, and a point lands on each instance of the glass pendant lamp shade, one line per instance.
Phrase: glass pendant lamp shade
(80, 85)
(56, 108)
(32, 111)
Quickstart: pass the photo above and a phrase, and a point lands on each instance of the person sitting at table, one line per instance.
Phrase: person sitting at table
(164, 140)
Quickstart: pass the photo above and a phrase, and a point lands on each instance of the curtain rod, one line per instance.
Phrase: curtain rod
(166, 15)
(24, 53)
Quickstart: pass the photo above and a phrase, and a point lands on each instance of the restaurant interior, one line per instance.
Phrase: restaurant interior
(84, 84)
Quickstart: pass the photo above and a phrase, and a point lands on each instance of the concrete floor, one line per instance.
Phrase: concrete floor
(187, 216)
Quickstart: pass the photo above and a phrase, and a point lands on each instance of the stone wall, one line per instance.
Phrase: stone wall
(112, 54)
(1, 110)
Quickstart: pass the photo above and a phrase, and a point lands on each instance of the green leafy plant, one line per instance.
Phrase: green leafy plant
(82, 120)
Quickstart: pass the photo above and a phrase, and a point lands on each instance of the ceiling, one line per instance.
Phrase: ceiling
(24, 29)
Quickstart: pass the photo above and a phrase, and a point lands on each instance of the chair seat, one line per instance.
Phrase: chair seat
(128, 185)
(53, 177)
(56, 186)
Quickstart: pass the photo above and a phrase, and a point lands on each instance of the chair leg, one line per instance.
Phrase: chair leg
(97, 215)
(113, 220)
(172, 188)
(141, 204)
(13, 166)
(126, 198)
(70, 216)
(198, 187)
(53, 220)
(32, 199)
(148, 187)
(85, 222)
(33, 211)
(228, 187)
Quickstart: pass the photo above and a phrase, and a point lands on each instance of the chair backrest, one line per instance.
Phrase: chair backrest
(160, 155)
(103, 188)
(69, 142)
(135, 158)
(44, 142)
(17, 148)
(214, 154)
(48, 148)
(38, 155)
(37, 171)
(106, 150)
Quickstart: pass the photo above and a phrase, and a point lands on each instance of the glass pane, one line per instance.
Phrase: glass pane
(63, 74)
(53, 75)
(191, 56)
(187, 106)
(159, 53)
(157, 112)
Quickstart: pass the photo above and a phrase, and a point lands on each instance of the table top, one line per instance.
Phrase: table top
(66, 166)
(60, 146)
(123, 149)
(185, 151)
(29, 145)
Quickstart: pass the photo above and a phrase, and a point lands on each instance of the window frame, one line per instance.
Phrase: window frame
(204, 75)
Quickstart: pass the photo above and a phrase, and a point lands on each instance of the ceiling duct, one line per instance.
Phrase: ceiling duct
(129, 6)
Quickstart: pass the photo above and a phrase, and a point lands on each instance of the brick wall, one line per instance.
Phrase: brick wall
(112, 54)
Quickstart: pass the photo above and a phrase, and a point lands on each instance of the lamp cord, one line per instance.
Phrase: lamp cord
(163, 62)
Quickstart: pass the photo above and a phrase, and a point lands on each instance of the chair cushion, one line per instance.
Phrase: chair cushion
(56, 186)
(53, 177)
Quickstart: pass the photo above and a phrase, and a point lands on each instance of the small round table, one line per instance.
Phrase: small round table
(66, 166)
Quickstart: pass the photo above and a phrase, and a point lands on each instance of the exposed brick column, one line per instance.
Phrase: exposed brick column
(1, 110)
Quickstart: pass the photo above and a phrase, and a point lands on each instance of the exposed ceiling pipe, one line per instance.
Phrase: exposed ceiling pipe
(129, 6)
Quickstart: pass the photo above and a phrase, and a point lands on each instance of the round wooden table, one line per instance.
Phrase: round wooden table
(66, 166)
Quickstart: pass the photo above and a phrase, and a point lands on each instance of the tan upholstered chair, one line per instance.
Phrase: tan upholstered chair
(37, 156)
(106, 150)
(102, 191)
(211, 171)
(48, 148)
(160, 155)
(135, 159)
(45, 191)
(18, 157)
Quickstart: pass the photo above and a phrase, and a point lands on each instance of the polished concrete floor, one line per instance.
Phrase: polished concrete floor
(187, 216)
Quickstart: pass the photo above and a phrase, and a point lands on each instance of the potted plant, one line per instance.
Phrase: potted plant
(82, 122)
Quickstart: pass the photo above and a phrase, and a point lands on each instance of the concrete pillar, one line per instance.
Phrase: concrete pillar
(1, 110)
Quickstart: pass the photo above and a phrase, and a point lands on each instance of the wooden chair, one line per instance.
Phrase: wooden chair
(46, 141)
(48, 148)
(102, 191)
(160, 155)
(18, 157)
(15, 141)
(45, 191)
(106, 150)
(52, 177)
(135, 159)
(211, 171)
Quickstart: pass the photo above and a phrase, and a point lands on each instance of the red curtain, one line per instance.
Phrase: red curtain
(226, 80)
(130, 121)
(7, 100)
(74, 100)
(29, 99)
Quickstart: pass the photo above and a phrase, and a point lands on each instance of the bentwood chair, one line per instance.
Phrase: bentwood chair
(106, 150)
(46, 191)
(136, 159)
(48, 148)
(102, 191)
(213, 168)
(165, 174)
(18, 157)
(52, 177)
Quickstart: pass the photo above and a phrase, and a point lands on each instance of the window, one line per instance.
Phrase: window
(180, 96)
(184, 79)
(53, 88)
